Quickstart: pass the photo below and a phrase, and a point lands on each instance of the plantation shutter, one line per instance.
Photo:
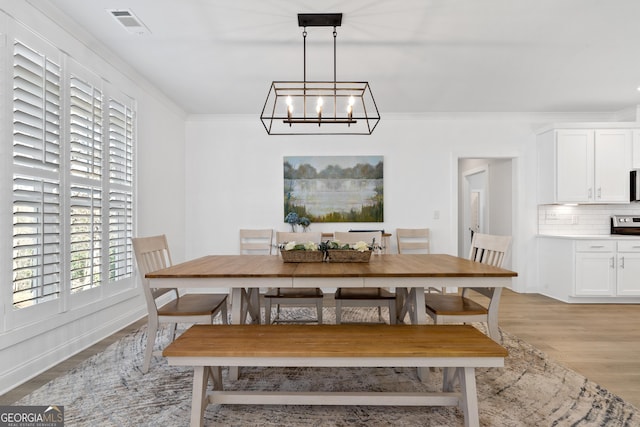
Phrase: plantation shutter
(36, 177)
(120, 190)
(86, 201)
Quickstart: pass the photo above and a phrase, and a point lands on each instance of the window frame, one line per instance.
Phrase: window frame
(108, 289)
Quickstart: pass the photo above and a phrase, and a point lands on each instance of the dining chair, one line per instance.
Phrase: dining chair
(486, 249)
(410, 241)
(413, 240)
(364, 297)
(294, 296)
(152, 254)
(254, 242)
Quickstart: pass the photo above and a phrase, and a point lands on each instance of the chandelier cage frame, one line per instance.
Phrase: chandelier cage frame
(310, 107)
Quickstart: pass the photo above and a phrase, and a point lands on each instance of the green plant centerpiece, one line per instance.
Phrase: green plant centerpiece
(337, 251)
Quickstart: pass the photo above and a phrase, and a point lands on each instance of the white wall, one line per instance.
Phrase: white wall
(234, 176)
(31, 349)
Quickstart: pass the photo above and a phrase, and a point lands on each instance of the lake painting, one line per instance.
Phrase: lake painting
(334, 188)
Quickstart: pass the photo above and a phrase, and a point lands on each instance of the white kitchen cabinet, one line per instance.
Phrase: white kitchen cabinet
(584, 165)
(628, 268)
(595, 268)
(636, 149)
(589, 271)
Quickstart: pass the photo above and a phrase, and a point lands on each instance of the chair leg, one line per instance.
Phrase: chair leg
(319, 311)
(380, 314)
(267, 311)
(494, 332)
(173, 332)
(215, 374)
(392, 312)
(224, 313)
(152, 330)
(338, 312)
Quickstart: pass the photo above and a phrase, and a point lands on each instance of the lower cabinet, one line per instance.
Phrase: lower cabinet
(595, 268)
(581, 270)
(628, 268)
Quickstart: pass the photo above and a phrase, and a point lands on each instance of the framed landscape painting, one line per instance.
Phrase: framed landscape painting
(334, 188)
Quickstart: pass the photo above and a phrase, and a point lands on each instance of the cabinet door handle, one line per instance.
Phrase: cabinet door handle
(621, 262)
(590, 192)
(596, 246)
(599, 192)
(612, 262)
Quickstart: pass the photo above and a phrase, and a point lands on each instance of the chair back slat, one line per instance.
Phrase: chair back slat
(413, 240)
(256, 242)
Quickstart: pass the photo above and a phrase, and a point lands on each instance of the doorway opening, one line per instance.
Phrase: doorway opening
(485, 200)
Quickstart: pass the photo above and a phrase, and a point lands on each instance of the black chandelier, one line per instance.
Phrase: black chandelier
(319, 107)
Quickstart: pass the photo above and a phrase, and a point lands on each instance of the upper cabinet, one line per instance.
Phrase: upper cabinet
(636, 149)
(584, 165)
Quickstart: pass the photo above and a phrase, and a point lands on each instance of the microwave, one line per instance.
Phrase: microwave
(634, 186)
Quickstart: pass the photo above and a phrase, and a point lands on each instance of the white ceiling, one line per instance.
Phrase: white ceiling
(219, 56)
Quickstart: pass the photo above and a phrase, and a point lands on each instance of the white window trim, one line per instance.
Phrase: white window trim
(13, 318)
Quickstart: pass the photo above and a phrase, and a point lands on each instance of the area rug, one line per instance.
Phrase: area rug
(109, 389)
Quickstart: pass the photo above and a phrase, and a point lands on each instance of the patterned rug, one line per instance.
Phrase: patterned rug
(110, 390)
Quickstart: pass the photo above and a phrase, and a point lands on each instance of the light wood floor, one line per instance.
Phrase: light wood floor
(601, 341)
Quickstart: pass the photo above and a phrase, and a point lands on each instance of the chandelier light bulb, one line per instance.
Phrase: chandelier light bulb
(319, 109)
(289, 109)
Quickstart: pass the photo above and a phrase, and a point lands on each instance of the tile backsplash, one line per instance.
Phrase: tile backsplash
(581, 220)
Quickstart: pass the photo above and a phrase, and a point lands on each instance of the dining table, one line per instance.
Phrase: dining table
(412, 272)
(409, 274)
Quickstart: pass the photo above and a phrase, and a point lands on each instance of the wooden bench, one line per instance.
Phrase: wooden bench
(460, 347)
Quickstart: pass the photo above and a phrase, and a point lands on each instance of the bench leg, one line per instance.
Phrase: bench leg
(199, 398)
(469, 403)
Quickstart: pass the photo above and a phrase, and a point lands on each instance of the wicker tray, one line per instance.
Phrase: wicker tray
(346, 255)
(302, 256)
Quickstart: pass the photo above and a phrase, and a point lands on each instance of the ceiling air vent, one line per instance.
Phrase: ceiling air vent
(129, 21)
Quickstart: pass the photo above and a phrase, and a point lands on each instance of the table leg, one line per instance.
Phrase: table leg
(199, 395)
(419, 314)
(254, 305)
(401, 304)
(236, 306)
(236, 319)
(469, 404)
(419, 317)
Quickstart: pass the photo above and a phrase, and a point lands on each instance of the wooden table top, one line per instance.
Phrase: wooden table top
(347, 340)
(243, 266)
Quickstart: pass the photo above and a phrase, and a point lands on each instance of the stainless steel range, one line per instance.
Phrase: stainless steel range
(625, 224)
